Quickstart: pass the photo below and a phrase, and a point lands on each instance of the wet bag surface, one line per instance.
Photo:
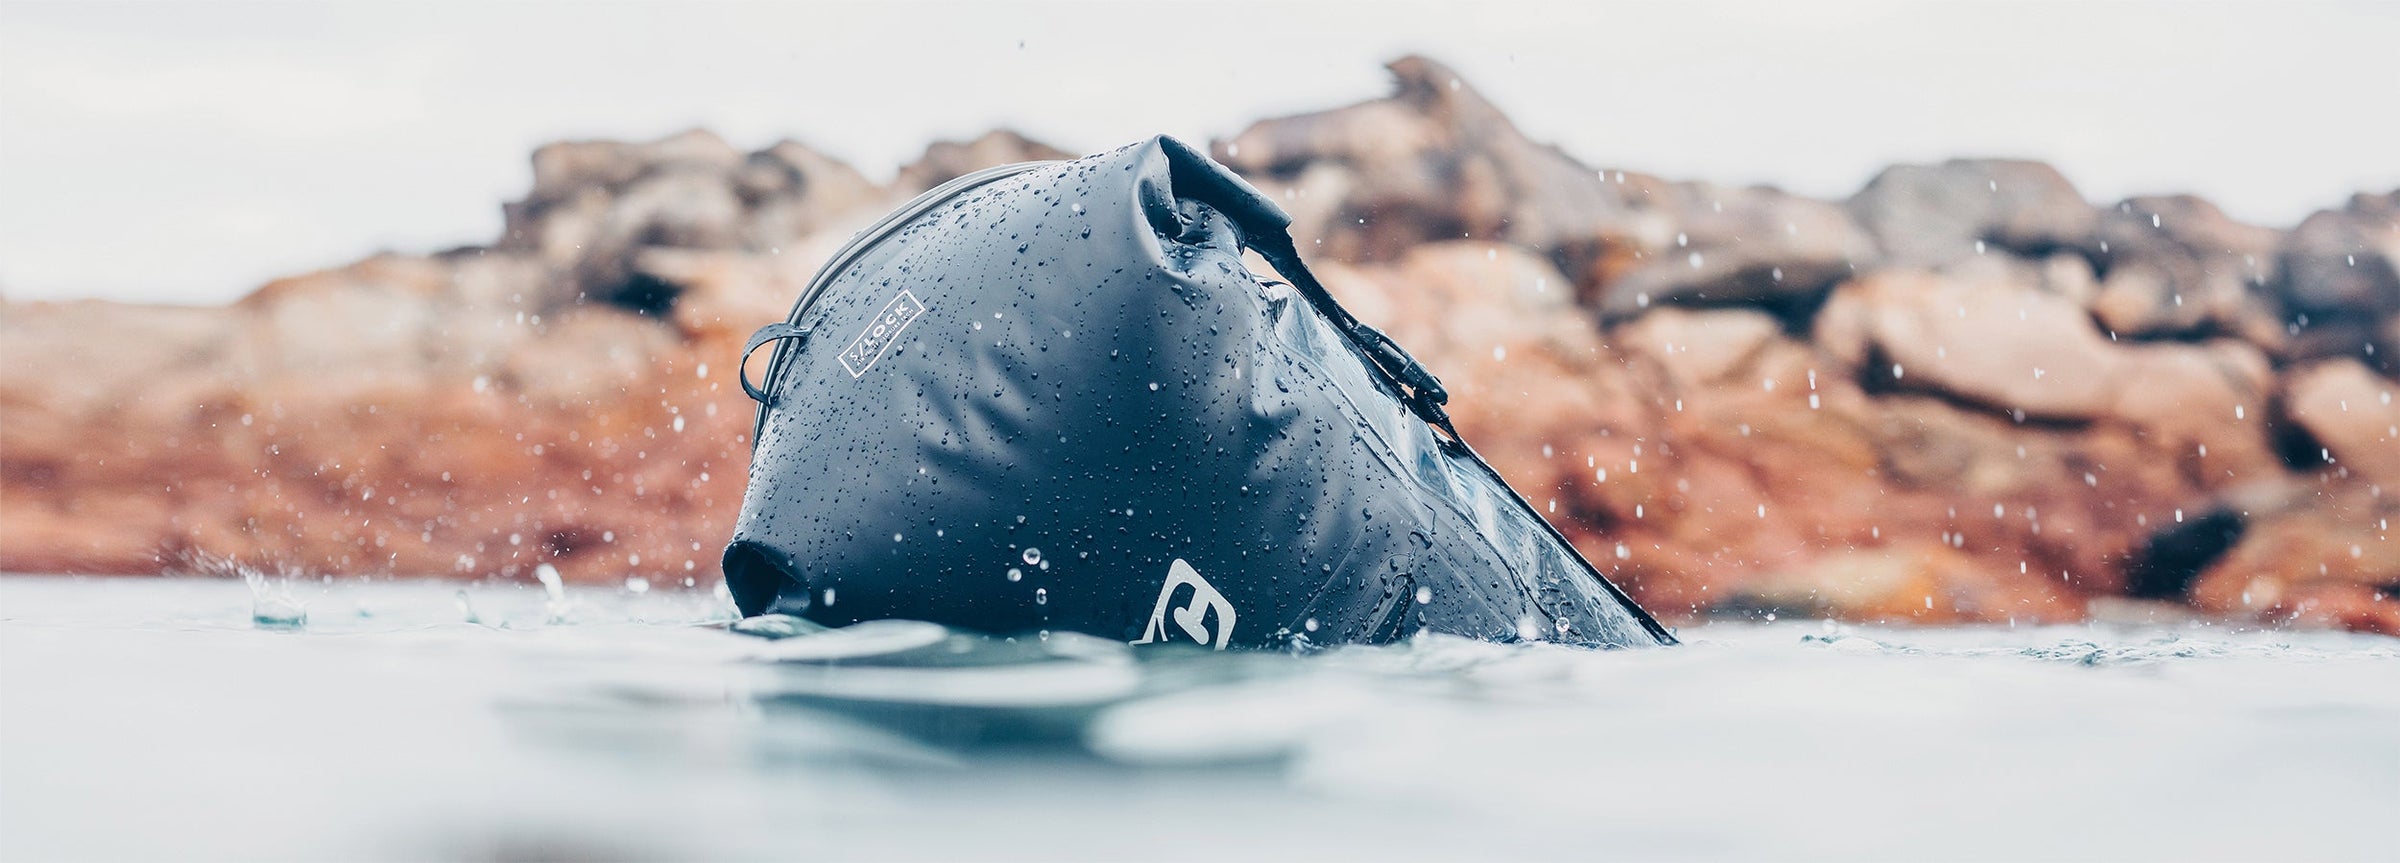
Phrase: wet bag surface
(1051, 397)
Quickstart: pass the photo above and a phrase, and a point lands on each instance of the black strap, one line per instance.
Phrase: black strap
(1266, 229)
(774, 332)
(1422, 392)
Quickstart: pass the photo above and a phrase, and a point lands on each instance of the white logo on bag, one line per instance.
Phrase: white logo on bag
(880, 333)
(1191, 618)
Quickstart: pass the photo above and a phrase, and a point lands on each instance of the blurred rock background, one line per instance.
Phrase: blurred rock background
(1965, 393)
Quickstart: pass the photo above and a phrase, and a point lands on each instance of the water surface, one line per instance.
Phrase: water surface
(148, 719)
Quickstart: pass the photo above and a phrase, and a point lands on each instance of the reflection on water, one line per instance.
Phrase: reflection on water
(146, 719)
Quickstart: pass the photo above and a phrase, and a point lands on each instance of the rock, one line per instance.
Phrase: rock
(1432, 162)
(369, 326)
(2177, 267)
(2166, 564)
(2068, 275)
(1898, 428)
(2003, 346)
(597, 207)
(1684, 442)
(112, 354)
(1700, 350)
(2385, 350)
(2029, 355)
(2353, 414)
(792, 193)
(1435, 162)
(2341, 281)
(573, 182)
(2324, 561)
(568, 169)
(413, 415)
(1934, 215)
(2335, 605)
(1746, 246)
(2206, 408)
(1499, 327)
(2346, 260)
(948, 160)
(1915, 581)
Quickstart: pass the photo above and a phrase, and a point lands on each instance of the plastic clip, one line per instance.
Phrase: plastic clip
(1402, 367)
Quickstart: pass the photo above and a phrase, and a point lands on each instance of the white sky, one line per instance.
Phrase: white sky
(186, 152)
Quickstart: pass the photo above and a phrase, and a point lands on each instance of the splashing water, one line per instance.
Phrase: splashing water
(555, 590)
(272, 605)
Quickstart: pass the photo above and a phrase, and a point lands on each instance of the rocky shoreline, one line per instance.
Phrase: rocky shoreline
(1963, 394)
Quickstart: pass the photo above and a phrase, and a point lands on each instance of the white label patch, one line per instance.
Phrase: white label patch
(1192, 619)
(881, 332)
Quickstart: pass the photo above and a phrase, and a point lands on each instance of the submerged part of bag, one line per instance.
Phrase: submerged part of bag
(1051, 397)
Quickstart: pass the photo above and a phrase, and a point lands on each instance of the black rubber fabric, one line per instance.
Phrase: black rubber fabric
(1053, 398)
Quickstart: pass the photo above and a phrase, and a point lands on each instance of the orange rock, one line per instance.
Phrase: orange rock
(1725, 397)
(2353, 414)
(2006, 346)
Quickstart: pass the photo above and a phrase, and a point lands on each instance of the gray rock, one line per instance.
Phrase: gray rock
(1933, 215)
(1432, 162)
(597, 207)
(1753, 246)
(2340, 282)
(2178, 267)
(2346, 260)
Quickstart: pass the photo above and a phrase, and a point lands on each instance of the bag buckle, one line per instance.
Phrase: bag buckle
(1402, 367)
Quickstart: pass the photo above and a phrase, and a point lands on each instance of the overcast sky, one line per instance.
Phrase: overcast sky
(186, 152)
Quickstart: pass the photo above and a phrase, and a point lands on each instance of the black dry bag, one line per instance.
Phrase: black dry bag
(1050, 396)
